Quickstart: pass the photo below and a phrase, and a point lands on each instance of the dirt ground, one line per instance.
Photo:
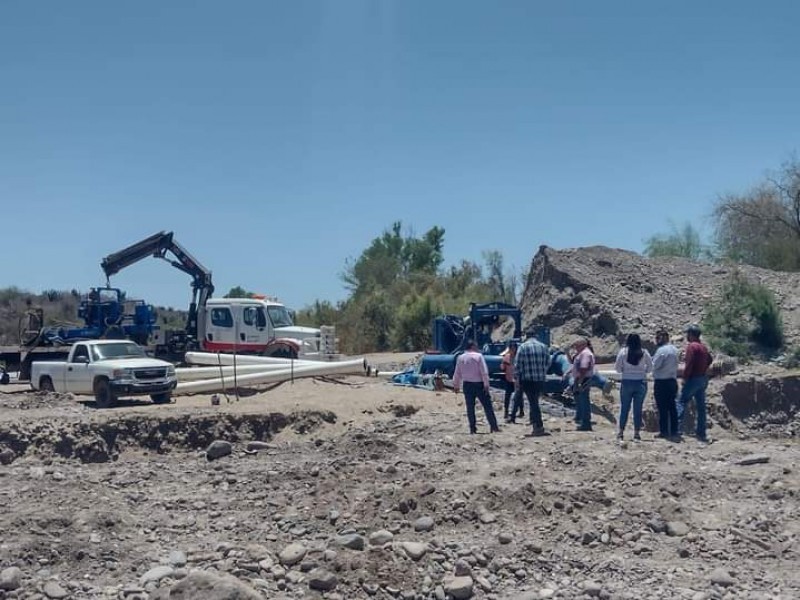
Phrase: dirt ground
(357, 488)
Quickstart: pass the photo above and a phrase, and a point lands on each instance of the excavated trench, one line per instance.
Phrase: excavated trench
(103, 440)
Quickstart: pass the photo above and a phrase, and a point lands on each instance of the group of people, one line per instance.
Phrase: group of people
(526, 366)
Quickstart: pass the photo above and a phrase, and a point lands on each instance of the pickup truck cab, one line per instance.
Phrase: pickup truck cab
(106, 369)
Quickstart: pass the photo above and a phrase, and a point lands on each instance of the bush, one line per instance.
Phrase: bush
(746, 319)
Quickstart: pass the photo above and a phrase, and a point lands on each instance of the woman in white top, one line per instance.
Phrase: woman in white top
(633, 363)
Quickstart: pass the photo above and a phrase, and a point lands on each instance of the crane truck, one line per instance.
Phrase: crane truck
(256, 325)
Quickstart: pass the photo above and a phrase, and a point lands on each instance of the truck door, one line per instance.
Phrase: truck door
(219, 329)
(252, 331)
(78, 375)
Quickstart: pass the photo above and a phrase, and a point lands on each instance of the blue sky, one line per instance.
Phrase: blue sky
(277, 139)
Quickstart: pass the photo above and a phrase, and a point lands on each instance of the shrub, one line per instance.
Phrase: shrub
(745, 319)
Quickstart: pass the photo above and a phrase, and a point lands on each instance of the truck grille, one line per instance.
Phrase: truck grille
(150, 373)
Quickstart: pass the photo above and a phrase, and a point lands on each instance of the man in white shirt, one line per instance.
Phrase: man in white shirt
(665, 385)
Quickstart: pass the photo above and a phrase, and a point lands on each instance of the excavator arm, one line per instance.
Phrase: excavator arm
(159, 246)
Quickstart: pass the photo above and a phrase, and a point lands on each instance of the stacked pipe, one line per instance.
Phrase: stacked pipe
(267, 370)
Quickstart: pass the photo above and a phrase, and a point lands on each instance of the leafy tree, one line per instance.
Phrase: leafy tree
(762, 226)
(321, 312)
(239, 292)
(683, 242)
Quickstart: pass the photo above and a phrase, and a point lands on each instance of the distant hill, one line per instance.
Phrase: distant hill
(60, 307)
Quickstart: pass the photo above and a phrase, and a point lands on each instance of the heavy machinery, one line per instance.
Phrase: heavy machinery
(169, 343)
(452, 332)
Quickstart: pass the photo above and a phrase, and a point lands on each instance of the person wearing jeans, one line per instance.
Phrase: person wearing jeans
(695, 380)
(633, 364)
(471, 370)
(510, 401)
(581, 374)
(530, 371)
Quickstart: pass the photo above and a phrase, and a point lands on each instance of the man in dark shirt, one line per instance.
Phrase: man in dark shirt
(695, 380)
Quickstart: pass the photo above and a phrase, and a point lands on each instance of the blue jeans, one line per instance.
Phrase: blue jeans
(694, 387)
(597, 381)
(631, 391)
(583, 409)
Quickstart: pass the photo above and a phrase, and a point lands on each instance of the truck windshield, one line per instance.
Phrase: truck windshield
(279, 316)
(120, 350)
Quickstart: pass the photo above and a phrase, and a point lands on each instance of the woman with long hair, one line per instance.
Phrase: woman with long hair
(633, 364)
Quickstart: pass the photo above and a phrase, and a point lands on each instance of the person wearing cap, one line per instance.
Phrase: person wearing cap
(665, 385)
(507, 367)
(695, 380)
(472, 371)
(582, 371)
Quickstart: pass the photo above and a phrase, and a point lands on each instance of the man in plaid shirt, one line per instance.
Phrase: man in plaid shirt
(530, 373)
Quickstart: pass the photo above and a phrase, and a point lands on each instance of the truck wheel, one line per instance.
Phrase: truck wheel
(283, 352)
(46, 384)
(103, 396)
(164, 398)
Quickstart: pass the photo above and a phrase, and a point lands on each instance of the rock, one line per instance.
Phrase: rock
(10, 578)
(156, 574)
(459, 588)
(218, 449)
(505, 538)
(677, 528)
(423, 524)
(352, 541)
(753, 459)
(7, 456)
(292, 554)
(380, 537)
(255, 446)
(209, 586)
(322, 580)
(486, 518)
(177, 559)
(53, 590)
(462, 568)
(414, 550)
(545, 593)
(592, 588)
(721, 577)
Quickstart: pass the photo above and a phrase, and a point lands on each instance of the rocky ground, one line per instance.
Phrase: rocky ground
(361, 489)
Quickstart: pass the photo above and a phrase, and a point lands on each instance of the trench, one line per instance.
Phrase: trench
(103, 441)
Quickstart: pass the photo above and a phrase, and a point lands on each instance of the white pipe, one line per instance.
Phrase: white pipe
(354, 367)
(210, 358)
(195, 373)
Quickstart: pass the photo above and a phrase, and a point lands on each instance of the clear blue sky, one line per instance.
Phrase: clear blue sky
(277, 139)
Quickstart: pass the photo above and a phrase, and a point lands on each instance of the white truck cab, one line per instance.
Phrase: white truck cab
(254, 326)
(106, 369)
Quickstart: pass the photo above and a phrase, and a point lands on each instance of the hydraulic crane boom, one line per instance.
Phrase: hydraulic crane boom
(158, 246)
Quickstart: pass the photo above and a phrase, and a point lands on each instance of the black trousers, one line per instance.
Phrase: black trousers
(475, 391)
(532, 389)
(665, 392)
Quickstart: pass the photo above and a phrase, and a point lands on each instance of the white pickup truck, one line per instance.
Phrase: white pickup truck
(106, 369)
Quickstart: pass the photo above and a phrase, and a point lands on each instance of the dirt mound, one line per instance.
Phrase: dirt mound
(606, 293)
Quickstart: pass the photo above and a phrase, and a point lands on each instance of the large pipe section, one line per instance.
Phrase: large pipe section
(349, 367)
(210, 358)
(194, 373)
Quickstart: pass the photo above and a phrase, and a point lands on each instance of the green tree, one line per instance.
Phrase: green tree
(682, 242)
(239, 292)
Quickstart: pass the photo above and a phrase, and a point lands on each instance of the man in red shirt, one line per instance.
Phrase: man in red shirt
(695, 380)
